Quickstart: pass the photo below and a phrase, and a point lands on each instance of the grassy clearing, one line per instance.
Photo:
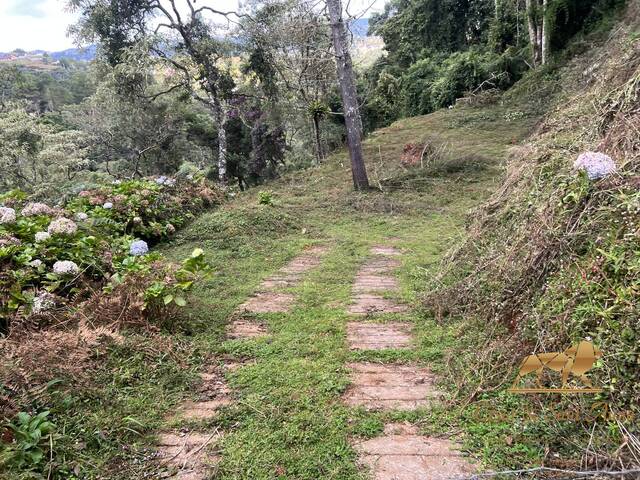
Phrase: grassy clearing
(288, 421)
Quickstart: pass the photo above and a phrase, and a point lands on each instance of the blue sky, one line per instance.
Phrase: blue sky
(43, 24)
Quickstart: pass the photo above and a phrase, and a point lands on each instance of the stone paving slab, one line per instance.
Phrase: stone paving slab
(374, 283)
(292, 272)
(379, 265)
(390, 387)
(268, 302)
(368, 304)
(385, 250)
(188, 455)
(280, 281)
(213, 393)
(403, 454)
(378, 336)
(245, 329)
(203, 410)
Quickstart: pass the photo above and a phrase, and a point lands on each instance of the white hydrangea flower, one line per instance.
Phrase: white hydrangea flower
(107, 205)
(7, 215)
(596, 164)
(43, 302)
(36, 208)
(62, 226)
(65, 267)
(81, 216)
(35, 263)
(42, 236)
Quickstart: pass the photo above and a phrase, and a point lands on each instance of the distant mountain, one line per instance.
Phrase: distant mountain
(78, 54)
(359, 27)
(85, 54)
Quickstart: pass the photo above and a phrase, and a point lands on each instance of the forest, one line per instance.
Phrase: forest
(212, 231)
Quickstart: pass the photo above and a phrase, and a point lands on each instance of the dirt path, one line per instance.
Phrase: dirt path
(401, 453)
(191, 453)
(191, 450)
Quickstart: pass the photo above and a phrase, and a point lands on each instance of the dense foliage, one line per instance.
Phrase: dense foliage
(53, 257)
(439, 51)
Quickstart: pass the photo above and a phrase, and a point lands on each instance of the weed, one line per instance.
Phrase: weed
(265, 197)
(31, 437)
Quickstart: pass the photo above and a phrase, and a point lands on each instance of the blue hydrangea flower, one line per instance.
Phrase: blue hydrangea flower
(138, 247)
(164, 180)
(595, 164)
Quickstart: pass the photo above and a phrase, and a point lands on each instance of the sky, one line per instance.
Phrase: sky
(42, 24)
(34, 24)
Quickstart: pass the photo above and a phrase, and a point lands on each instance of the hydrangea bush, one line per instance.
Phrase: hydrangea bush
(48, 259)
(139, 247)
(150, 209)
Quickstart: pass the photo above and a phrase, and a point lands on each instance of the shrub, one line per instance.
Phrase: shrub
(48, 260)
(151, 209)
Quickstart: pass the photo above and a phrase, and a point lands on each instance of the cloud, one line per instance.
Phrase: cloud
(28, 8)
(35, 24)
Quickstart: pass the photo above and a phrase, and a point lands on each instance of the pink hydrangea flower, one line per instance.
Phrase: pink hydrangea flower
(36, 208)
(7, 215)
(62, 226)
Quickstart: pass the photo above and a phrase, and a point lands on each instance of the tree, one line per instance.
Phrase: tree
(346, 80)
(535, 24)
(179, 34)
(35, 155)
(130, 137)
(290, 53)
(412, 29)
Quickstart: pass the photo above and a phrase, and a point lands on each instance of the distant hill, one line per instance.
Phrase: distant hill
(85, 54)
(359, 27)
(78, 54)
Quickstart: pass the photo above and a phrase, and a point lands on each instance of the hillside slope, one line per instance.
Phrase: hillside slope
(553, 257)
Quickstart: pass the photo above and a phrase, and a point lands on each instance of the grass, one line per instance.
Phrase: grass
(287, 420)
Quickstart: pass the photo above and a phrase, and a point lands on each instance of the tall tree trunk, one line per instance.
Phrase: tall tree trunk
(546, 31)
(316, 135)
(517, 22)
(534, 34)
(346, 78)
(219, 117)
